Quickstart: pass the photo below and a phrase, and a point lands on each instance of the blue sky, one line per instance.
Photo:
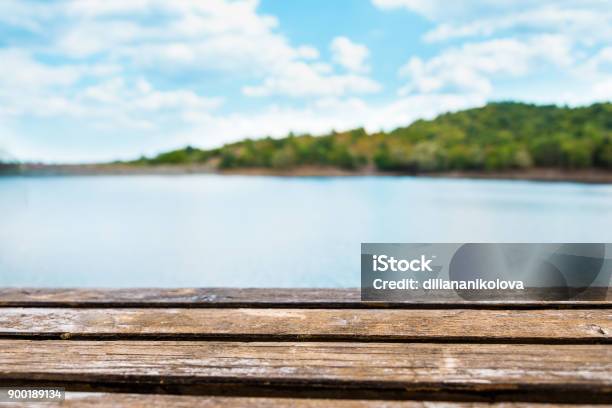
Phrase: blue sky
(91, 80)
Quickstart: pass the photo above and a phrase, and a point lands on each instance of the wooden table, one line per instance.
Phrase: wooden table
(302, 348)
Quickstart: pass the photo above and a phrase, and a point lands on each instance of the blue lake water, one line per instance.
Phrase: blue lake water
(205, 230)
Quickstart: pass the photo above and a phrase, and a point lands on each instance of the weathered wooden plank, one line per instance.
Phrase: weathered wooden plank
(108, 400)
(192, 297)
(463, 325)
(260, 297)
(580, 373)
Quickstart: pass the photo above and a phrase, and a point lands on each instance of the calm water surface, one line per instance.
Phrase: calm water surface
(202, 230)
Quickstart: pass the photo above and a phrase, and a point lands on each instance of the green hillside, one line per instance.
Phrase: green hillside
(499, 136)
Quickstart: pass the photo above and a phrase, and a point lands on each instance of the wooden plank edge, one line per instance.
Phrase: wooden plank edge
(261, 298)
(423, 393)
(132, 400)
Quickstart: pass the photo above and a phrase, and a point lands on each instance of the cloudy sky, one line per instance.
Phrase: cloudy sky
(88, 80)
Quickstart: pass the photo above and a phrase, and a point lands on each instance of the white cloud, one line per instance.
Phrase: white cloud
(200, 36)
(510, 39)
(108, 54)
(599, 65)
(28, 87)
(441, 9)
(142, 97)
(209, 129)
(146, 69)
(583, 20)
(430, 9)
(473, 66)
(321, 116)
(299, 79)
(350, 55)
(591, 80)
(20, 69)
(575, 22)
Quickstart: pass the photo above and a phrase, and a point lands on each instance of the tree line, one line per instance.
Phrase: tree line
(499, 136)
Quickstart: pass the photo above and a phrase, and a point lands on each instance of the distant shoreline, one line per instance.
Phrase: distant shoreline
(591, 176)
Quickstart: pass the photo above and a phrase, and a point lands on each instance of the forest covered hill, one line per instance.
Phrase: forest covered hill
(498, 136)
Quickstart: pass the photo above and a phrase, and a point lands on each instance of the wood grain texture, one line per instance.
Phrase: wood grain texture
(459, 325)
(254, 297)
(581, 372)
(112, 400)
(297, 347)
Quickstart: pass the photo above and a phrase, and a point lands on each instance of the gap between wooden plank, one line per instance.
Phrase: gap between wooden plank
(448, 325)
(468, 372)
(101, 400)
(262, 298)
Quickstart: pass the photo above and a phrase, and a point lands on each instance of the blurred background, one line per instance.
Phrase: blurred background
(258, 143)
